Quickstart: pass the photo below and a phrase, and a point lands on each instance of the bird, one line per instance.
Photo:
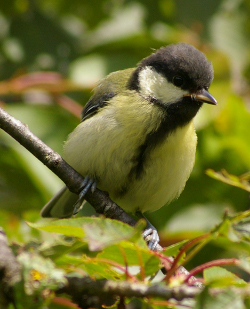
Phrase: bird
(136, 139)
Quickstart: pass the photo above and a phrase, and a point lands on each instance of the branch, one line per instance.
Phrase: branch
(79, 288)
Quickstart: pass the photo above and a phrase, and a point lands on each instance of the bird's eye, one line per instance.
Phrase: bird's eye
(178, 81)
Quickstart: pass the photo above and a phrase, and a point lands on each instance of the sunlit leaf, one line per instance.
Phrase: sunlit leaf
(97, 232)
(173, 250)
(235, 227)
(218, 276)
(243, 227)
(67, 227)
(129, 254)
(40, 273)
(102, 232)
(225, 299)
(98, 268)
(236, 181)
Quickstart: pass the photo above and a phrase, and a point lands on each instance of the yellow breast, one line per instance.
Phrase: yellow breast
(104, 146)
(165, 174)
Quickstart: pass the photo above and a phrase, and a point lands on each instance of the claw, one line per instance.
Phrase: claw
(93, 187)
(85, 181)
(154, 240)
(86, 188)
(150, 230)
(87, 184)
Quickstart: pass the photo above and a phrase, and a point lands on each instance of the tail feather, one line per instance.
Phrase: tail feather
(61, 205)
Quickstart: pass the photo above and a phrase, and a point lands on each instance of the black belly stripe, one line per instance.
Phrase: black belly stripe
(152, 140)
(176, 115)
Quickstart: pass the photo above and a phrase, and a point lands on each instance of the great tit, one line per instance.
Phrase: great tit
(136, 139)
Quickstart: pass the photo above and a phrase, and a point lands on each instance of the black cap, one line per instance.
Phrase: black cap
(182, 60)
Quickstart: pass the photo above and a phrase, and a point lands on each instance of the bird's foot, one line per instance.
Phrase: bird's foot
(150, 231)
(153, 239)
(88, 184)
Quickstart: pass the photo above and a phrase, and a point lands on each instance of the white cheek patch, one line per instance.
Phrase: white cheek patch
(153, 84)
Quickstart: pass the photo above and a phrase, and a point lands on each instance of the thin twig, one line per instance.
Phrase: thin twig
(209, 264)
(77, 287)
(183, 250)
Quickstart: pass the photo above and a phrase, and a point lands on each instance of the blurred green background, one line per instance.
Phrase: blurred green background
(84, 40)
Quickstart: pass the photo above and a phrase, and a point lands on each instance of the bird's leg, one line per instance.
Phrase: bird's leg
(88, 183)
(149, 230)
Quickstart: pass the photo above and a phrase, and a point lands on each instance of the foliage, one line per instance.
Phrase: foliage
(107, 249)
(52, 53)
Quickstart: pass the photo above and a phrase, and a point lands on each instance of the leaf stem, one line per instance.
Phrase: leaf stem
(204, 266)
(183, 250)
(117, 265)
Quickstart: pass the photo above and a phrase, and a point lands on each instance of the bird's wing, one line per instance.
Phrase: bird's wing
(94, 104)
(62, 204)
(109, 87)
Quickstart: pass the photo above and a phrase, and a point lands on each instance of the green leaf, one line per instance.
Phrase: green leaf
(60, 247)
(245, 263)
(232, 180)
(227, 230)
(99, 232)
(243, 228)
(87, 266)
(227, 299)
(68, 227)
(40, 273)
(152, 266)
(102, 232)
(236, 228)
(97, 268)
(218, 276)
(173, 250)
(129, 254)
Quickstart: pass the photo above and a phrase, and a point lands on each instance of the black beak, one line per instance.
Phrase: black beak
(202, 96)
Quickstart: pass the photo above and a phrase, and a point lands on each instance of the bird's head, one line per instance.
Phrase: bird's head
(173, 74)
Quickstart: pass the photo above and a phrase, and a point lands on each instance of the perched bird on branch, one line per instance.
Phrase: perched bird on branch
(136, 139)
